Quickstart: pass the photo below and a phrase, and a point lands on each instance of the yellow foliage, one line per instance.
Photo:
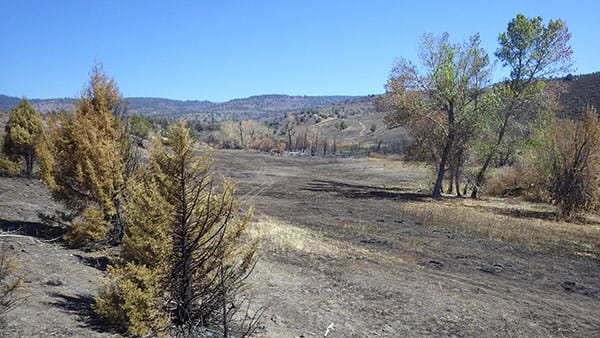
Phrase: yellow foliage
(23, 130)
(9, 168)
(83, 154)
(87, 229)
(177, 216)
(147, 241)
(132, 299)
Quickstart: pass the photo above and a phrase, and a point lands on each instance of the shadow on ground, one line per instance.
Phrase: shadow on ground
(33, 229)
(547, 215)
(101, 263)
(82, 306)
(360, 191)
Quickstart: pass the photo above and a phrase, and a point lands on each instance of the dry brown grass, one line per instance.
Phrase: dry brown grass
(528, 225)
(504, 181)
(281, 236)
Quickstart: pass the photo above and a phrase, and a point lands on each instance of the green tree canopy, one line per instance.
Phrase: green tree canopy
(441, 96)
(532, 51)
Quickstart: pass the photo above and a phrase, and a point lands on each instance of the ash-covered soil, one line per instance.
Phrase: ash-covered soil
(336, 248)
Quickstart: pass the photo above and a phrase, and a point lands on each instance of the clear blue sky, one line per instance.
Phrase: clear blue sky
(219, 50)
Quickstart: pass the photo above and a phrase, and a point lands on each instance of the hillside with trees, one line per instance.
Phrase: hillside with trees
(254, 107)
(578, 91)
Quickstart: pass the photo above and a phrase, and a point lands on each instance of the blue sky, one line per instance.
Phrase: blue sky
(220, 50)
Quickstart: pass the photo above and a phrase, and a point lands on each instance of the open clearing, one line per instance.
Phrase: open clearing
(351, 242)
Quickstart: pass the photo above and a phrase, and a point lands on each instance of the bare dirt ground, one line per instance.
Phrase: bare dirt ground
(337, 247)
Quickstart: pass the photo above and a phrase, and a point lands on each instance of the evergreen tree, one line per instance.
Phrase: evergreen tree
(183, 255)
(84, 161)
(23, 131)
(133, 297)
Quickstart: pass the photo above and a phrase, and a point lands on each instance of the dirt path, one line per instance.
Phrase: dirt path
(362, 128)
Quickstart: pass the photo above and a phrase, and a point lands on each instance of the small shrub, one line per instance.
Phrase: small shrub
(131, 300)
(9, 168)
(8, 283)
(140, 126)
(507, 181)
(567, 165)
(576, 172)
(88, 229)
(341, 125)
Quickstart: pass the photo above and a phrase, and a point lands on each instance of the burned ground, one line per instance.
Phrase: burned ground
(343, 241)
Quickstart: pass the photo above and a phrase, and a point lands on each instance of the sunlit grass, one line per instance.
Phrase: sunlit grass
(527, 225)
(281, 236)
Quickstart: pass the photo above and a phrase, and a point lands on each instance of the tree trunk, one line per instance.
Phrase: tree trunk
(29, 163)
(184, 298)
(437, 188)
(224, 299)
(457, 183)
(289, 143)
(118, 224)
(481, 175)
(451, 178)
(490, 156)
(241, 135)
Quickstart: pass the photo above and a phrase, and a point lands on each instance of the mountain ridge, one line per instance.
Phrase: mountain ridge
(579, 90)
(257, 106)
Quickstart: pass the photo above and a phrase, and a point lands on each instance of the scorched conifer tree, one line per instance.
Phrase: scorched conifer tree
(83, 161)
(183, 252)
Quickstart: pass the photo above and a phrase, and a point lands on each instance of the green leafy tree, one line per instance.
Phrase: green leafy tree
(139, 125)
(84, 161)
(532, 51)
(342, 125)
(23, 131)
(184, 261)
(442, 97)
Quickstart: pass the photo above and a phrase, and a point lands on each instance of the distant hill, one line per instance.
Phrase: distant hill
(7, 102)
(42, 105)
(151, 106)
(580, 90)
(256, 107)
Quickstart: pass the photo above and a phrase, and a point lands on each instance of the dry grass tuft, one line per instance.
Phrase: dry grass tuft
(528, 225)
(280, 236)
(505, 181)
